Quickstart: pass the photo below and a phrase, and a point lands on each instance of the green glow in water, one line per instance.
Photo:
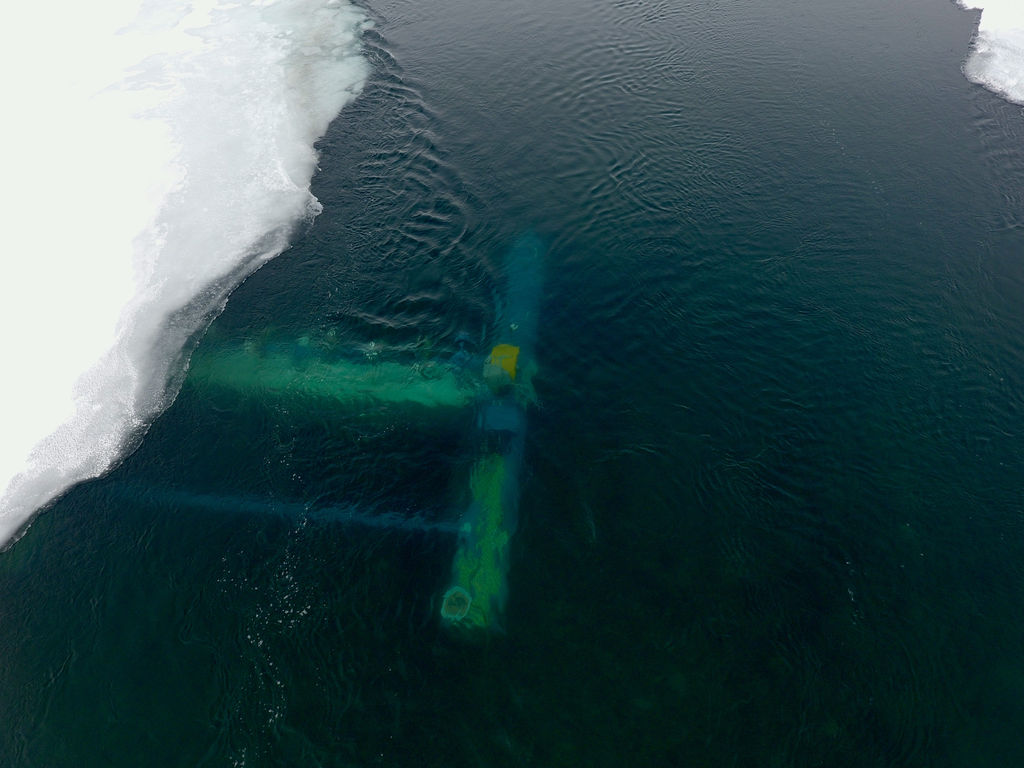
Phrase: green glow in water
(249, 370)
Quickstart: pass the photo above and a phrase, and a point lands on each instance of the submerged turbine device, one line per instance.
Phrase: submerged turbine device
(497, 385)
(479, 588)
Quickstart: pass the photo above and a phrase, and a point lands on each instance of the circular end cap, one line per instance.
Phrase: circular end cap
(455, 604)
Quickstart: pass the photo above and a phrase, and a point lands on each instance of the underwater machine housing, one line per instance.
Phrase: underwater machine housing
(479, 589)
(484, 394)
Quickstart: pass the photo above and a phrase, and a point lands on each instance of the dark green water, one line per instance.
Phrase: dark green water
(772, 513)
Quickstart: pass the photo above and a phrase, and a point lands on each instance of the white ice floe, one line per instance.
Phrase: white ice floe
(996, 60)
(156, 152)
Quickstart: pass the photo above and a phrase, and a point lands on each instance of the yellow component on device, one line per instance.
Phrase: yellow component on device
(505, 356)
